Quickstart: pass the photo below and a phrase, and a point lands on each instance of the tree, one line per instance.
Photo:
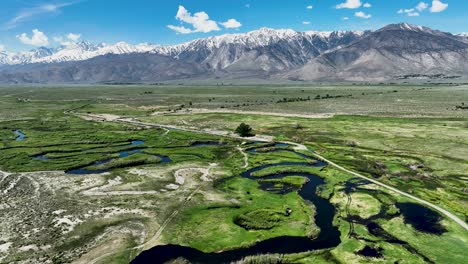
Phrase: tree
(244, 130)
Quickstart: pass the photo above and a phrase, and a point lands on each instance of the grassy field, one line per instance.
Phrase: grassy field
(409, 136)
(379, 100)
(423, 156)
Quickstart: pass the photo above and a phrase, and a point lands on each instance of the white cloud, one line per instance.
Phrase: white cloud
(410, 12)
(2, 48)
(231, 23)
(68, 40)
(306, 22)
(309, 7)
(38, 38)
(362, 15)
(59, 40)
(345, 18)
(200, 22)
(401, 11)
(73, 37)
(181, 29)
(422, 6)
(27, 14)
(351, 4)
(438, 6)
(367, 5)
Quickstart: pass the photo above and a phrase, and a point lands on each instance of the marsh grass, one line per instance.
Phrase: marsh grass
(260, 219)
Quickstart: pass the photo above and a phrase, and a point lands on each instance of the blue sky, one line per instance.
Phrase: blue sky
(155, 21)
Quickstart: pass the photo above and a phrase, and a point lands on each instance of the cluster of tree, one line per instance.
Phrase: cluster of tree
(317, 97)
(244, 104)
(294, 99)
(244, 130)
(327, 96)
(22, 100)
(461, 107)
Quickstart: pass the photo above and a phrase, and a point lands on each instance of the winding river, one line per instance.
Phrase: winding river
(122, 154)
(329, 236)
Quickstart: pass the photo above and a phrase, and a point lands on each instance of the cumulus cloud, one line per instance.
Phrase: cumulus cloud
(362, 15)
(38, 38)
(73, 37)
(309, 7)
(438, 6)
(27, 14)
(200, 22)
(413, 12)
(69, 39)
(231, 23)
(351, 4)
(306, 22)
(367, 5)
(2, 48)
(180, 29)
(402, 11)
(422, 6)
(410, 12)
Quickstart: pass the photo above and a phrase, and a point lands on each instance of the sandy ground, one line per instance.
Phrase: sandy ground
(106, 189)
(100, 117)
(246, 158)
(19, 193)
(231, 111)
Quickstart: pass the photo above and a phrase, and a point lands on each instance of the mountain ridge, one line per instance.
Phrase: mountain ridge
(390, 52)
(386, 53)
(83, 50)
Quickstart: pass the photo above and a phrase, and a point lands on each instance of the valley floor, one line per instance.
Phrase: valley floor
(100, 176)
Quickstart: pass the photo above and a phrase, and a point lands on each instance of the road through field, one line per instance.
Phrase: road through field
(441, 210)
(298, 147)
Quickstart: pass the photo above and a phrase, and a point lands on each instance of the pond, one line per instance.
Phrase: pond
(19, 135)
(421, 218)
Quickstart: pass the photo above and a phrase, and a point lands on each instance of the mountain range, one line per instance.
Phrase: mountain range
(392, 52)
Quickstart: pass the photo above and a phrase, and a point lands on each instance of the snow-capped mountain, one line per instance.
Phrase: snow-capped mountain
(254, 39)
(261, 51)
(78, 51)
(463, 37)
(318, 41)
(392, 51)
(25, 57)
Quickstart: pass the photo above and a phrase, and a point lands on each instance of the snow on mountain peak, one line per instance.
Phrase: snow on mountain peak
(407, 27)
(83, 50)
